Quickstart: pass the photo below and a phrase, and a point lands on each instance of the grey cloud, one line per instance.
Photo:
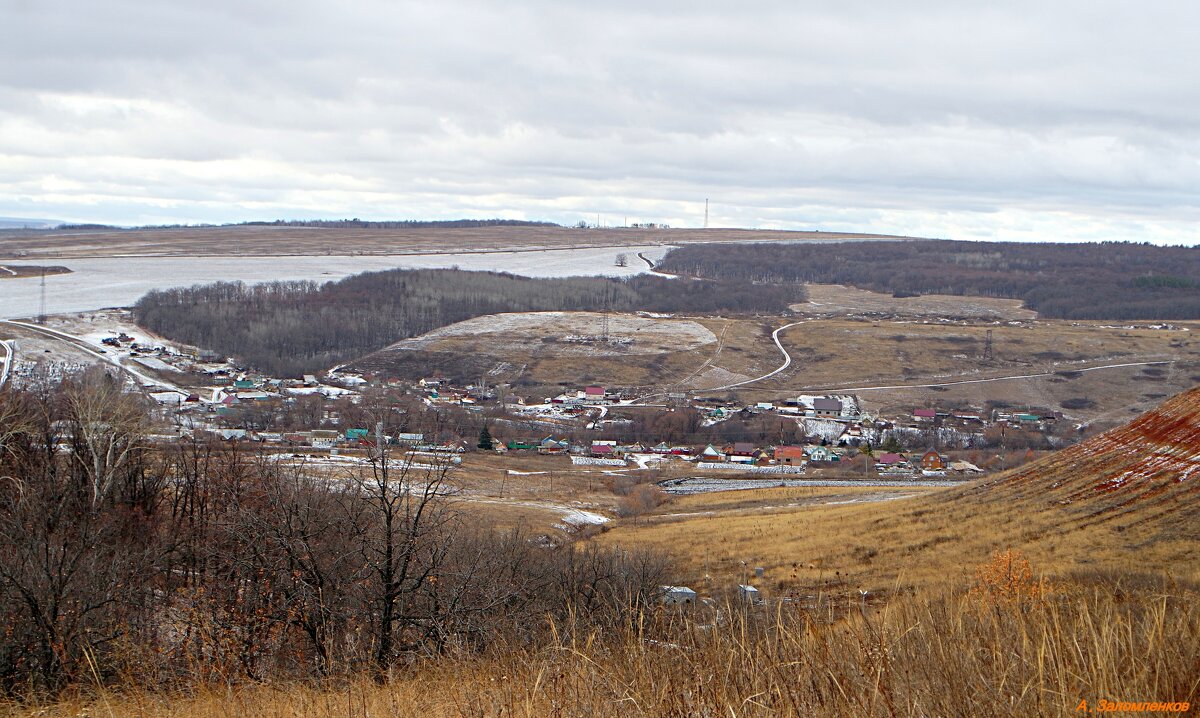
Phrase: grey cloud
(794, 113)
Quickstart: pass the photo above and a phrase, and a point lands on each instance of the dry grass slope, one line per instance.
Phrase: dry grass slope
(959, 636)
(1121, 503)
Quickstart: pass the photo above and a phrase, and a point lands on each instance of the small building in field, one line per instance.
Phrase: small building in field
(749, 594)
(677, 595)
(924, 415)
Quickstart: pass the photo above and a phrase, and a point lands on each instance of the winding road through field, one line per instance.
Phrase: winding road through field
(787, 361)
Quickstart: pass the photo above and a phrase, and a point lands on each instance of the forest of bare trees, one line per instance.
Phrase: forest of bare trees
(1110, 280)
(289, 328)
(124, 560)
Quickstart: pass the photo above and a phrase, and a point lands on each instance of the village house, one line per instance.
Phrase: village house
(740, 453)
(550, 445)
(826, 407)
(933, 461)
(323, 438)
(790, 455)
(595, 395)
(821, 453)
(924, 415)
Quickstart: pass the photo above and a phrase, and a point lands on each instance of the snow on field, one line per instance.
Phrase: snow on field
(579, 517)
(577, 334)
(156, 364)
(97, 283)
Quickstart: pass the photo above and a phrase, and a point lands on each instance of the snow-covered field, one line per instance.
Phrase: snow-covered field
(578, 334)
(97, 283)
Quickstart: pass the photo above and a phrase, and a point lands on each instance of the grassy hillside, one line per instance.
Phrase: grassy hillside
(1068, 586)
(1121, 504)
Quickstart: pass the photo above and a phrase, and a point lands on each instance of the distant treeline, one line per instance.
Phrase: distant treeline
(289, 328)
(1111, 280)
(397, 224)
(330, 224)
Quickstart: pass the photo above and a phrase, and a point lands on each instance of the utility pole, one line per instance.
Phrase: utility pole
(42, 302)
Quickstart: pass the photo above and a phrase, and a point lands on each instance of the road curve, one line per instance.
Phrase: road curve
(787, 361)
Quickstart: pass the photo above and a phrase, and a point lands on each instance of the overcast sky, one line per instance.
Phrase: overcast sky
(1016, 120)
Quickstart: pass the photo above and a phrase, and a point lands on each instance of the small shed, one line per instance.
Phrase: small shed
(749, 594)
(677, 595)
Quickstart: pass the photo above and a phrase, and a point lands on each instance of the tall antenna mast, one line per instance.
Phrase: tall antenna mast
(42, 301)
(706, 212)
(606, 310)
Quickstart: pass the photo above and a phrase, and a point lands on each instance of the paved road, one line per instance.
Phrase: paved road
(9, 356)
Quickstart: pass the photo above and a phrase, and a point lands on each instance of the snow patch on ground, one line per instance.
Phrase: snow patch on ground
(579, 517)
(569, 334)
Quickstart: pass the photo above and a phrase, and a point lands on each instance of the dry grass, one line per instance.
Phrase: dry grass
(281, 241)
(1097, 603)
(835, 299)
(1122, 502)
(897, 546)
(963, 654)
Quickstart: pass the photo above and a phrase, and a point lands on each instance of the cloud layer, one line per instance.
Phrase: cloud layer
(1017, 120)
